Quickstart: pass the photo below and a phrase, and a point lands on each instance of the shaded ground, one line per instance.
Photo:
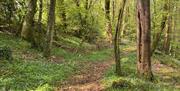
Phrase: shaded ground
(92, 73)
(88, 78)
(168, 75)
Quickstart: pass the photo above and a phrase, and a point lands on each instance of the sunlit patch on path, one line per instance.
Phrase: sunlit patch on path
(88, 79)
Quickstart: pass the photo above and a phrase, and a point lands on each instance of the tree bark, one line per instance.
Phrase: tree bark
(109, 26)
(157, 36)
(40, 14)
(167, 37)
(117, 39)
(144, 40)
(113, 12)
(64, 15)
(50, 29)
(26, 32)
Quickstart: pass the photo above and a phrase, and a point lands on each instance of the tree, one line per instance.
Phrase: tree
(50, 29)
(117, 39)
(26, 31)
(113, 10)
(40, 14)
(167, 37)
(107, 12)
(144, 39)
(158, 34)
(64, 18)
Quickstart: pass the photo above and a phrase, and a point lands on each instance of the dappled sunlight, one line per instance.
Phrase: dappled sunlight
(129, 49)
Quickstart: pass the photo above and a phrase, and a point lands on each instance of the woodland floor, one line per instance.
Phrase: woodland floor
(91, 75)
(88, 78)
(92, 71)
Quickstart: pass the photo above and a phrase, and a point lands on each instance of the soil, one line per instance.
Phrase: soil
(88, 79)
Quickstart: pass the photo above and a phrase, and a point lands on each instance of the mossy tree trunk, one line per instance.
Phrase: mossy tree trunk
(144, 39)
(108, 18)
(167, 37)
(50, 29)
(40, 15)
(27, 30)
(64, 17)
(117, 39)
(158, 34)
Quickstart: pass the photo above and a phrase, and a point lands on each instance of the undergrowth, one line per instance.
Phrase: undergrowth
(31, 71)
(137, 84)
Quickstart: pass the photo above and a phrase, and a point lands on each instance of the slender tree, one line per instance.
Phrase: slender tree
(117, 39)
(64, 17)
(107, 11)
(40, 14)
(50, 29)
(113, 10)
(144, 39)
(158, 34)
(167, 37)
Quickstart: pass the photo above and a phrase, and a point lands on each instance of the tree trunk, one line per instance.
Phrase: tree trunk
(167, 39)
(40, 14)
(117, 39)
(113, 12)
(26, 32)
(64, 15)
(38, 34)
(109, 26)
(157, 36)
(87, 4)
(50, 29)
(144, 39)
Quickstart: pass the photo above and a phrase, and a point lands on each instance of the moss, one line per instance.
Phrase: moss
(122, 84)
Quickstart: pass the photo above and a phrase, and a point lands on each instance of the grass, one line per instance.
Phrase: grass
(31, 71)
(137, 84)
(168, 60)
(92, 56)
(32, 74)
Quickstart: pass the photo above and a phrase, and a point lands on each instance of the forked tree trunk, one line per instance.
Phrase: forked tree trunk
(50, 29)
(144, 40)
(117, 39)
(38, 34)
(26, 31)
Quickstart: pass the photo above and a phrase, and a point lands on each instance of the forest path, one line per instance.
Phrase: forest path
(88, 79)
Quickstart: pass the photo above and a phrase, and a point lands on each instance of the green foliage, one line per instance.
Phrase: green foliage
(6, 53)
(31, 71)
(12, 14)
(130, 76)
(31, 74)
(167, 60)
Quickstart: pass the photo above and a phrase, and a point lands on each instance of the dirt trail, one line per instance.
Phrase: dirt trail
(88, 78)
